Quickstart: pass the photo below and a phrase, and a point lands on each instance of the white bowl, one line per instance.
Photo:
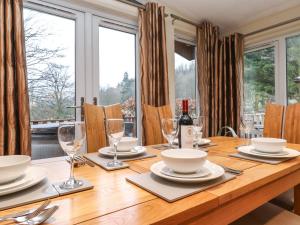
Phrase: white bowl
(184, 160)
(12, 167)
(127, 143)
(269, 145)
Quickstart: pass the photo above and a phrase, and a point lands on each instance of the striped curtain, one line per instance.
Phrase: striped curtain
(220, 73)
(15, 136)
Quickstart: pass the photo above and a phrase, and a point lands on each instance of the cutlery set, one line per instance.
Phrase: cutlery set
(33, 216)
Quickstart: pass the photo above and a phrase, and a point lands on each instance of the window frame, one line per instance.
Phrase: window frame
(78, 18)
(190, 41)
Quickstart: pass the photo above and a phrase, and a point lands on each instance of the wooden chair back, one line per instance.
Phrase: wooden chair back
(273, 122)
(113, 111)
(292, 124)
(152, 116)
(95, 127)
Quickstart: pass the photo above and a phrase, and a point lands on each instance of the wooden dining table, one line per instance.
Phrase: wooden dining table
(113, 200)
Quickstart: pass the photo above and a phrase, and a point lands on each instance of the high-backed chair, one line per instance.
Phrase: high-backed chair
(164, 112)
(113, 111)
(95, 127)
(268, 214)
(273, 120)
(292, 124)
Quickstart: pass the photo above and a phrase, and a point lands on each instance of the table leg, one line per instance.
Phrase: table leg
(297, 199)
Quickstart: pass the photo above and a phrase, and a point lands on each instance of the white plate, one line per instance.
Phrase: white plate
(215, 172)
(248, 149)
(203, 172)
(281, 153)
(109, 151)
(204, 141)
(33, 176)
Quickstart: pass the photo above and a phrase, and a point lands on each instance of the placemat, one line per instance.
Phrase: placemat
(165, 146)
(42, 191)
(101, 160)
(172, 191)
(39, 192)
(273, 161)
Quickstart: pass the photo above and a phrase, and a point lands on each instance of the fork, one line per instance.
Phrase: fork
(23, 218)
(230, 170)
(42, 217)
(85, 161)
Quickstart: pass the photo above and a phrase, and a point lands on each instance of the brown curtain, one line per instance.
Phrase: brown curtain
(220, 71)
(15, 135)
(153, 55)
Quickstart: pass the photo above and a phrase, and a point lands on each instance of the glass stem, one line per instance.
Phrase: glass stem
(72, 167)
(115, 155)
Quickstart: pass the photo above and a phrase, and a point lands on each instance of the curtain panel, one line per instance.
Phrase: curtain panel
(15, 136)
(153, 55)
(220, 72)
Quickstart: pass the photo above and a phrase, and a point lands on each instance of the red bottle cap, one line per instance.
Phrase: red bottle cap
(185, 105)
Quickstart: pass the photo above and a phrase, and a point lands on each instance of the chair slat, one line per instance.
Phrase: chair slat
(292, 124)
(273, 120)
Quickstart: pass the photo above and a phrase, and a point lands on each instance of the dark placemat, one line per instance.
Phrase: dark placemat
(102, 161)
(173, 191)
(273, 161)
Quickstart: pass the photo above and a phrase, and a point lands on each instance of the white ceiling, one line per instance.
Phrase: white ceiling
(228, 14)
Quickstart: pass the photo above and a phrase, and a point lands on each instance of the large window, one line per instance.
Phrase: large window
(259, 79)
(185, 76)
(50, 55)
(117, 76)
(293, 69)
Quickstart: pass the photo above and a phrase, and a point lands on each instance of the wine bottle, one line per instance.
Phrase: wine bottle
(185, 127)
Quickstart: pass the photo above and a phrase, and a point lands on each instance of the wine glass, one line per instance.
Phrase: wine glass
(71, 137)
(115, 130)
(197, 129)
(247, 126)
(170, 130)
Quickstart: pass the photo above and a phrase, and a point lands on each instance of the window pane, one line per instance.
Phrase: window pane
(117, 72)
(50, 55)
(293, 68)
(185, 76)
(259, 79)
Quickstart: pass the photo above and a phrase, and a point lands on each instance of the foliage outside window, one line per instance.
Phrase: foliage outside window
(259, 79)
(293, 69)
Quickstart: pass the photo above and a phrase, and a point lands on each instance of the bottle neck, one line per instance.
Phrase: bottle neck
(185, 107)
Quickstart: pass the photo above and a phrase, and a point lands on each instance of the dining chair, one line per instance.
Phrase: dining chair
(268, 214)
(113, 111)
(292, 124)
(95, 127)
(165, 112)
(151, 126)
(273, 121)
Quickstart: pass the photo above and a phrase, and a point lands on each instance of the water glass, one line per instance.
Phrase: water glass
(71, 137)
(115, 130)
(197, 129)
(247, 126)
(170, 130)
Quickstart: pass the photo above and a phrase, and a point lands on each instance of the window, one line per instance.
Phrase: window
(259, 79)
(117, 76)
(293, 69)
(50, 55)
(185, 76)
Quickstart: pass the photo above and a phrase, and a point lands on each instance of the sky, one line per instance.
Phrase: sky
(116, 48)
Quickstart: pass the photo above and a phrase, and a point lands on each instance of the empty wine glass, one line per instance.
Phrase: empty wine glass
(170, 130)
(197, 129)
(115, 131)
(71, 137)
(247, 126)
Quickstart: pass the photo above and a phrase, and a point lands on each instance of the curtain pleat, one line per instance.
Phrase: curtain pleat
(220, 70)
(153, 55)
(15, 136)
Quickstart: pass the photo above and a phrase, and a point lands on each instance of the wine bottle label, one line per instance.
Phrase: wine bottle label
(186, 136)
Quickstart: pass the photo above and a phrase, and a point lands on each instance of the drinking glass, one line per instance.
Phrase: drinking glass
(247, 126)
(115, 130)
(197, 129)
(71, 137)
(170, 130)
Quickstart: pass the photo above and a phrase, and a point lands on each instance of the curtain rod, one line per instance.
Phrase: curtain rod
(272, 26)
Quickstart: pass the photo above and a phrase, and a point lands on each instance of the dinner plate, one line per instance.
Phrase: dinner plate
(216, 171)
(248, 149)
(109, 151)
(203, 141)
(200, 173)
(32, 176)
(281, 153)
